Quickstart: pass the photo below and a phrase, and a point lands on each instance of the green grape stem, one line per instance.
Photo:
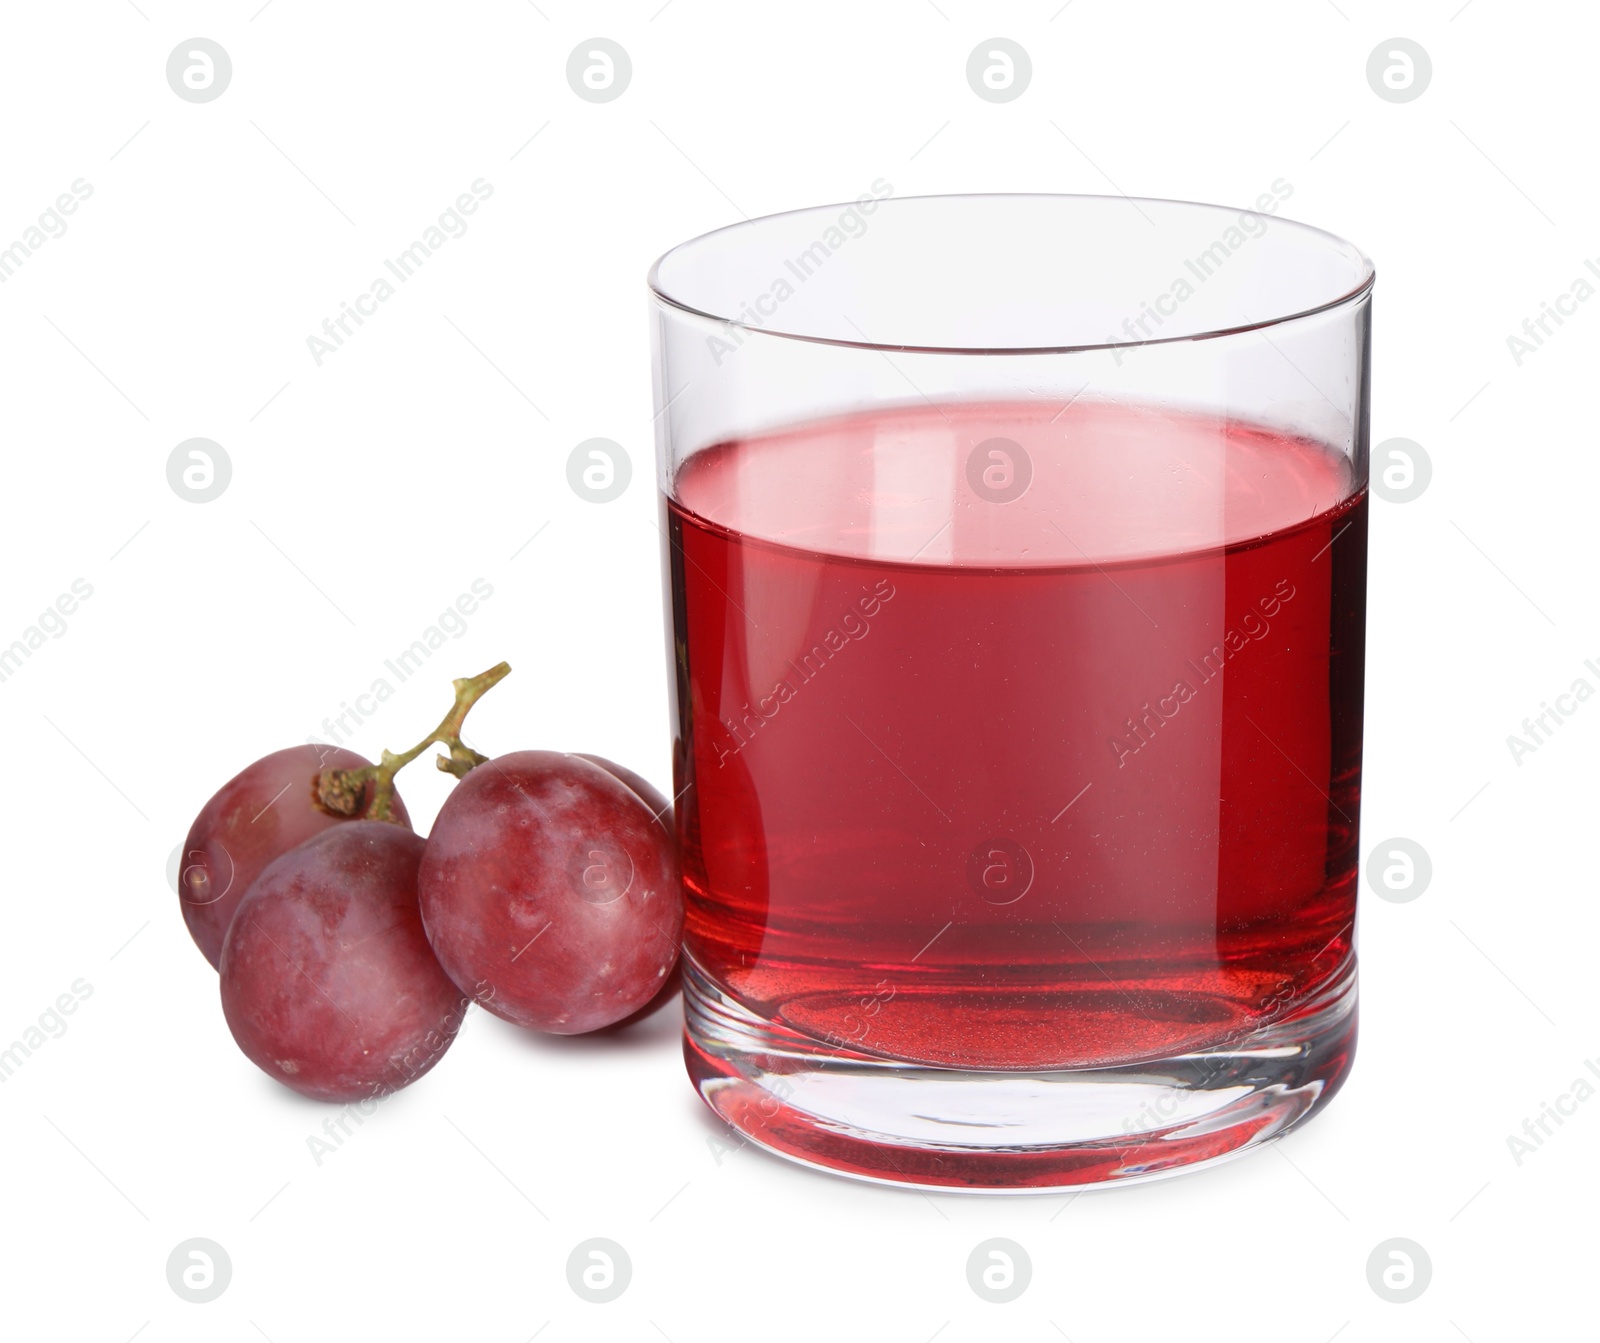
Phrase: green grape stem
(340, 791)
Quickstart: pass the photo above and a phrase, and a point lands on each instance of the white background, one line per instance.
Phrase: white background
(368, 492)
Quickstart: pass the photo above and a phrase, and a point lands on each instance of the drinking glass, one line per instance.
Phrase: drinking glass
(1015, 550)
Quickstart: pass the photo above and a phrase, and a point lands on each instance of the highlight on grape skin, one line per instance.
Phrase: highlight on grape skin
(550, 893)
(260, 814)
(648, 793)
(328, 982)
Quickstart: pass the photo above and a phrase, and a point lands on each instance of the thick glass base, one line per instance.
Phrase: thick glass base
(1013, 1132)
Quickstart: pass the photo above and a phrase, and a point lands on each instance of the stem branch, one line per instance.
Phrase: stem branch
(341, 792)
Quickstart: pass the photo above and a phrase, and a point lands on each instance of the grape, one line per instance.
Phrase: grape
(651, 795)
(550, 893)
(259, 814)
(328, 982)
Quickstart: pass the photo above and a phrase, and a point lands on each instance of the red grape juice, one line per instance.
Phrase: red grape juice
(1015, 738)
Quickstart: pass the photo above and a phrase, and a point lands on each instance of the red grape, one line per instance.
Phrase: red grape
(262, 812)
(648, 792)
(328, 982)
(550, 893)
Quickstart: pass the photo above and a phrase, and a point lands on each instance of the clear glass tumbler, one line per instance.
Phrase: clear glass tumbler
(1016, 555)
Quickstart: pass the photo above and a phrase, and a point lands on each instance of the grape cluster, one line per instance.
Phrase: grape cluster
(349, 948)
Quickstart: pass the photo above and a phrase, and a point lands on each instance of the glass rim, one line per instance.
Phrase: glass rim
(1366, 277)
